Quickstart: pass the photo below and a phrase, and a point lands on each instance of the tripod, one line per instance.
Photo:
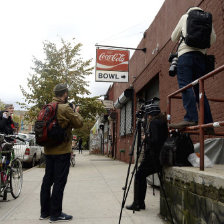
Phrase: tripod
(127, 186)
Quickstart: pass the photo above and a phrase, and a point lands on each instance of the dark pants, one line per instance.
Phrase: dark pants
(56, 173)
(80, 149)
(190, 67)
(148, 166)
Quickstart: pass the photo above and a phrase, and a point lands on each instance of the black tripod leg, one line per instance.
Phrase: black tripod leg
(163, 190)
(139, 146)
(128, 172)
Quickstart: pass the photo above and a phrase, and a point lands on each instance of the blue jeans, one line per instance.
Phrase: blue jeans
(190, 67)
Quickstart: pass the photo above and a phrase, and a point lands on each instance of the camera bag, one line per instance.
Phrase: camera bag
(176, 150)
(198, 29)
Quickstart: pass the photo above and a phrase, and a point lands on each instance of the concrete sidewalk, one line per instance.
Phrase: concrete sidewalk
(93, 195)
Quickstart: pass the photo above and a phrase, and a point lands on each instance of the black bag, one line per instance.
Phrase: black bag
(176, 150)
(198, 29)
(209, 63)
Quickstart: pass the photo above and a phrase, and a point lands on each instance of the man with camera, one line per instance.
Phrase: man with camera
(6, 122)
(58, 159)
(191, 63)
(156, 132)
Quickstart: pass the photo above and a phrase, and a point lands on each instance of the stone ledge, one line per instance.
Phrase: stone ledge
(211, 176)
(194, 196)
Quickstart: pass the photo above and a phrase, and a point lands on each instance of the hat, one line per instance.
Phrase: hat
(8, 105)
(152, 109)
(60, 87)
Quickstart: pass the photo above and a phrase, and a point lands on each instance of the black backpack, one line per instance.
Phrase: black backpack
(198, 29)
(176, 150)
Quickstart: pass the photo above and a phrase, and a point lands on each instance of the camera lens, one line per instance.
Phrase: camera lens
(173, 67)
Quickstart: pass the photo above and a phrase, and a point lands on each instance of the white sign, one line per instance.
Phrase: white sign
(109, 104)
(111, 76)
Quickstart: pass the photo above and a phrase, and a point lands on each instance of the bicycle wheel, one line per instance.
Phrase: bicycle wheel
(16, 178)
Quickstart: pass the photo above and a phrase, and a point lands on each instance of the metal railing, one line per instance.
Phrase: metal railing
(199, 129)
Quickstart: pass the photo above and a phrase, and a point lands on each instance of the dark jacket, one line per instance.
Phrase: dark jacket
(6, 125)
(156, 135)
(68, 119)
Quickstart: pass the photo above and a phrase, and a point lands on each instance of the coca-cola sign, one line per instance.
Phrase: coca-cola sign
(112, 60)
(112, 65)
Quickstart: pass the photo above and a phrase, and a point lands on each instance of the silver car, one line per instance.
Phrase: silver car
(28, 151)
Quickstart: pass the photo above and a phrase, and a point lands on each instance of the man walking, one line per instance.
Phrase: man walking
(191, 66)
(58, 160)
(80, 145)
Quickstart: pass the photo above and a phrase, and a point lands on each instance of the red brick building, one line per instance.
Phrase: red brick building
(148, 72)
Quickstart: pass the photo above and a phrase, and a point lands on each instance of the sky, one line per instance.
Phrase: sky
(26, 24)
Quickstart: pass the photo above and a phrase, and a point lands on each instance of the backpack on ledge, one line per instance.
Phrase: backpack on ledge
(176, 150)
(46, 128)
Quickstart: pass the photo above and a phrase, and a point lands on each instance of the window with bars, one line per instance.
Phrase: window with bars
(126, 119)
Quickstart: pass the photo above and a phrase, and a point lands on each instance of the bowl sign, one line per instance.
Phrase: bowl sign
(111, 65)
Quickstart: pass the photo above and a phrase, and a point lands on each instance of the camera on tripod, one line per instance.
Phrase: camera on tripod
(173, 66)
(145, 106)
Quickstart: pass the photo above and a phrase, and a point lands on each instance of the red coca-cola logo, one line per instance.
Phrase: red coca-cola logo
(112, 60)
(112, 57)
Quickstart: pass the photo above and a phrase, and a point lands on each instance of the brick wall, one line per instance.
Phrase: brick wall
(144, 66)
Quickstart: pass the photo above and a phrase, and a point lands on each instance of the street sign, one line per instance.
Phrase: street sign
(112, 65)
(110, 76)
(108, 104)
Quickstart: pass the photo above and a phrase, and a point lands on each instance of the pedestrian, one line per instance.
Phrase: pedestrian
(191, 66)
(156, 134)
(58, 160)
(80, 145)
(6, 122)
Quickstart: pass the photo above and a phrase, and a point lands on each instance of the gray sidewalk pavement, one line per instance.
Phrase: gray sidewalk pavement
(93, 195)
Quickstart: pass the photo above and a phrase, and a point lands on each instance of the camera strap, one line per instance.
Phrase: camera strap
(180, 41)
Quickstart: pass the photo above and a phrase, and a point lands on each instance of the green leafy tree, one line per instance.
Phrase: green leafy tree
(61, 65)
(1, 105)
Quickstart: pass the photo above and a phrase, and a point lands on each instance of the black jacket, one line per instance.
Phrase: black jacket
(156, 135)
(6, 124)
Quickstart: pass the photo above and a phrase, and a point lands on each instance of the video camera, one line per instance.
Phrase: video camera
(145, 106)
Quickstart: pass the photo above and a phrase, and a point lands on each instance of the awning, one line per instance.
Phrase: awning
(124, 98)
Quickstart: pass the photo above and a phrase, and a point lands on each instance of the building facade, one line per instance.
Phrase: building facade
(148, 74)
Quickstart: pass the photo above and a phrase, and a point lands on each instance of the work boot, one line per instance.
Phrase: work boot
(182, 124)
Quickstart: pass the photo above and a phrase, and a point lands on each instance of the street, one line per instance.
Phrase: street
(93, 194)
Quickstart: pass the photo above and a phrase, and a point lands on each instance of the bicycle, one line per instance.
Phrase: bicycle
(11, 172)
(72, 159)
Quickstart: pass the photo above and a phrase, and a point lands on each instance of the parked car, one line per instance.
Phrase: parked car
(28, 151)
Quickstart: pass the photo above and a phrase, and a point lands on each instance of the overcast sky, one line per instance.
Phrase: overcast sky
(25, 24)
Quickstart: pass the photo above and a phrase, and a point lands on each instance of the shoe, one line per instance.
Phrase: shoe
(133, 206)
(183, 124)
(43, 217)
(136, 207)
(62, 218)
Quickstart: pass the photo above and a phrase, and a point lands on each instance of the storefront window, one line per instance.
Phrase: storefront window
(126, 119)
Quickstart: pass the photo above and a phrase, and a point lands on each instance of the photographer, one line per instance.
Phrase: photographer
(6, 122)
(155, 135)
(191, 63)
(58, 159)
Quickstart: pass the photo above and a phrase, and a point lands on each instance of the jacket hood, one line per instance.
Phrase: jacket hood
(194, 8)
